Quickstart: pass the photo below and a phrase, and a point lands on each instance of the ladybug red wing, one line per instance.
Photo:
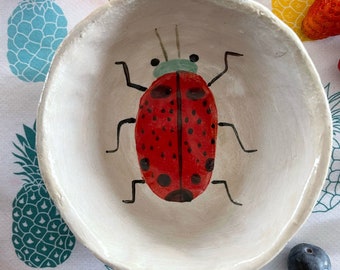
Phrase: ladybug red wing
(175, 136)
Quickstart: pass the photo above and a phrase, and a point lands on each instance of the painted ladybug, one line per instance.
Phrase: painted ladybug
(176, 129)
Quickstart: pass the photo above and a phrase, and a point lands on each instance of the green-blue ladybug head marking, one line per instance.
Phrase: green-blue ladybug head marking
(175, 65)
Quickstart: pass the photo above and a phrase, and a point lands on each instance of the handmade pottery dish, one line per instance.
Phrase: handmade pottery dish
(211, 157)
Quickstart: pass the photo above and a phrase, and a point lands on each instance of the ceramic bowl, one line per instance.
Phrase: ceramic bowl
(270, 100)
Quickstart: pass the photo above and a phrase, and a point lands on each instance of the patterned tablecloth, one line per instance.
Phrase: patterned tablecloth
(32, 233)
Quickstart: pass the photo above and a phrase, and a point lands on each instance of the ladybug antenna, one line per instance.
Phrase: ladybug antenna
(162, 45)
(177, 42)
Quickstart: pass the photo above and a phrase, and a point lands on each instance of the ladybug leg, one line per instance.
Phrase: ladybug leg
(225, 66)
(227, 189)
(122, 122)
(133, 183)
(127, 77)
(224, 124)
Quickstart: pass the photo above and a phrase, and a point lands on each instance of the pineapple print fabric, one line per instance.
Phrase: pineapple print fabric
(35, 30)
(40, 236)
(32, 231)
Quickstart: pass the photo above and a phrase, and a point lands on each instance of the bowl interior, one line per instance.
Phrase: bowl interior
(271, 94)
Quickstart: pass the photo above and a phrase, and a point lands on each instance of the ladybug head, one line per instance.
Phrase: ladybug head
(173, 65)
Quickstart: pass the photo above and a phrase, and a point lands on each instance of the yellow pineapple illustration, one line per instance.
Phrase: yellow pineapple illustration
(292, 13)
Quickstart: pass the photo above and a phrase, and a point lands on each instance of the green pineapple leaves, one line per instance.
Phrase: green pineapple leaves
(27, 156)
(334, 104)
(39, 235)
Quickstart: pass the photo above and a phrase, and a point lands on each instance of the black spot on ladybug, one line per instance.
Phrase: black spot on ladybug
(164, 180)
(172, 130)
(142, 131)
(208, 111)
(163, 128)
(172, 102)
(162, 155)
(205, 103)
(180, 195)
(171, 111)
(170, 143)
(213, 126)
(141, 106)
(193, 112)
(193, 57)
(146, 102)
(143, 146)
(157, 138)
(143, 116)
(209, 164)
(149, 110)
(144, 164)
(169, 119)
(199, 145)
(186, 119)
(195, 93)
(204, 133)
(151, 147)
(189, 150)
(212, 141)
(153, 132)
(190, 131)
(195, 179)
(154, 62)
(154, 118)
(199, 121)
(174, 156)
(163, 110)
(160, 91)
(204, 153)
(186, 143)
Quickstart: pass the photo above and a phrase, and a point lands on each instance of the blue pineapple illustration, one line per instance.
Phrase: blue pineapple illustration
(330, 194)
(35, 30)
(39, 235)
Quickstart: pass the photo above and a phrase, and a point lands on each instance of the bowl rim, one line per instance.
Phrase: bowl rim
(303, 210)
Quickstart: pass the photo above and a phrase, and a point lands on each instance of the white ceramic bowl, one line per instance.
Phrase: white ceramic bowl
(272, 94)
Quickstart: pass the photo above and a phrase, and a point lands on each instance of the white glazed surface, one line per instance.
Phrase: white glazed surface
(272, 94)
